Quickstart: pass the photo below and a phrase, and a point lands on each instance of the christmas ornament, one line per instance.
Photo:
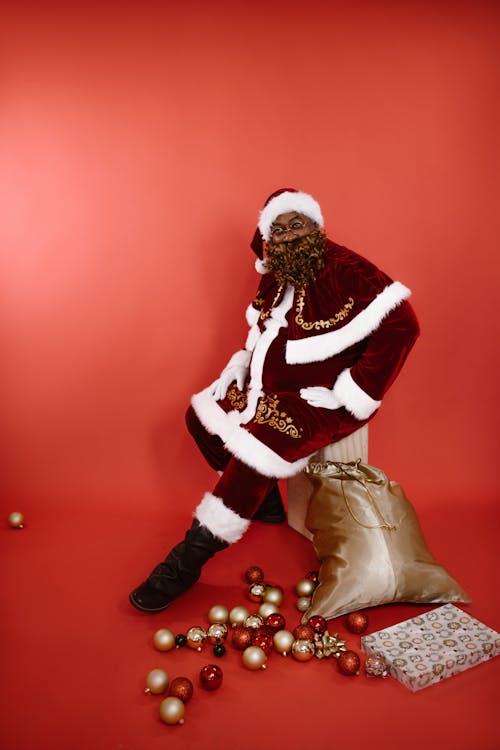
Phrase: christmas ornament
(16, 520)
(303, 603)
(172, 710)
(196, 637)
(304, 633)
(217, 633)
(241, 637)
(318, 624)
(254, 658)
(283, 641)
(156, 682)
(303, 650)
(313, 575)
(180, 640)
(182, 688)
(254, 621)
(348, 663)
(328, 645)
(375, 666)
(211, 677)
(219, 650)
(264, 630)
(163, 639)
(254, 574)
(263, 641)
(266, 608)
(256, 592)
(305, 587)
(275, 621)
(238, 615)
(218, 614)
(273, 595)
(356, 622)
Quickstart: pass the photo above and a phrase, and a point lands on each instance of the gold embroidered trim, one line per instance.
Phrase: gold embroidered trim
(319, 324)
(258, 302)
(236, 398)
(266, 313)
(269, 413)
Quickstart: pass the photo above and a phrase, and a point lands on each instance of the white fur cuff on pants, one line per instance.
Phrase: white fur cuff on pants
(220, 520)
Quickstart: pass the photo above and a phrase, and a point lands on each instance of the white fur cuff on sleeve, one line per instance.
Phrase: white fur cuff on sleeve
(354, 398)
(240, 358)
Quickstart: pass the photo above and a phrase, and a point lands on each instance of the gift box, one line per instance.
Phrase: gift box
(431, 647)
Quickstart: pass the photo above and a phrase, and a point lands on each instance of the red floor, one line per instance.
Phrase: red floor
(75, 654)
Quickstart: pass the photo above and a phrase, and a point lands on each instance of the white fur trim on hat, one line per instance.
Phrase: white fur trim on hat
(220, 520)
(284, 203)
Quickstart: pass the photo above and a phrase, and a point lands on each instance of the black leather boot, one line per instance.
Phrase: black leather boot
(179, 571)
(271, 510)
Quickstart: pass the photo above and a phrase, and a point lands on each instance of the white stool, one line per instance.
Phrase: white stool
(299, 488)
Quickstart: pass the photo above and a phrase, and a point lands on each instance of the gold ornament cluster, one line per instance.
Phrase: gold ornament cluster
(256, 631)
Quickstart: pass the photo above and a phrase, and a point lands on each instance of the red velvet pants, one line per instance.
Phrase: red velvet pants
(240, 488)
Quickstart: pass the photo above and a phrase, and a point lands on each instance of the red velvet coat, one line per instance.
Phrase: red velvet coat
(351, 331)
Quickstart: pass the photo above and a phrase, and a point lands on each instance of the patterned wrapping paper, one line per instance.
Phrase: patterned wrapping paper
(431, 647)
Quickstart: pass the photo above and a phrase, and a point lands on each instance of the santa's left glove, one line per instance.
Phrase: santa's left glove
(320, 397)
(235, 371)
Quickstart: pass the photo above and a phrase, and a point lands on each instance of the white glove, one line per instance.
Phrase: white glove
(236, 370)
(320, 397)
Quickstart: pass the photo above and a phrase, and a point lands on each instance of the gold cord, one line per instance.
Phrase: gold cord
(384, 525)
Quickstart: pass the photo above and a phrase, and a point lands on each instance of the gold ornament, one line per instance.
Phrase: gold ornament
(254, 621)
(218, 613)
(305, 587)
(164, 639)
(327, 645)
(172, 710)
(238, 615)
(303, 650)
(16, 520)
(273, 595)
(156, 682)
(283, 641)
(266, 608)
(217, 633)
(196, 637)
(303, 603)
(254, 658)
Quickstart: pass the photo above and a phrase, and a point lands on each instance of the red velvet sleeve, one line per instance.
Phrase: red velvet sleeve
(386, 351)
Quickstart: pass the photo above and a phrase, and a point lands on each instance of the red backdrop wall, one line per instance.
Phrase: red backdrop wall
(138, 142)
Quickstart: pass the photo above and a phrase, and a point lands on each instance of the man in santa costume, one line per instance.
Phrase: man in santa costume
(328, 334)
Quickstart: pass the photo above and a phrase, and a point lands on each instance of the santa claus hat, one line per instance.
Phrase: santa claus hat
(284, 201)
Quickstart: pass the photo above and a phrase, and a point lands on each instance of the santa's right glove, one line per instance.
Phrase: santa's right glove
(235, 371)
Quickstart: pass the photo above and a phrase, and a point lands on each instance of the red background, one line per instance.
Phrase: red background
(137, 143)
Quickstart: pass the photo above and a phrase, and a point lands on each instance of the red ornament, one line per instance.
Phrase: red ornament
(181, 688)
(241, 637)
(265, 630)
(254, 574)
(348, 663)
(304, 633)
(275, 621)
(211, 677)
(356, 622)
(313, 576)
(318, 624)
(263, 641)
(256, 592)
